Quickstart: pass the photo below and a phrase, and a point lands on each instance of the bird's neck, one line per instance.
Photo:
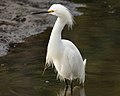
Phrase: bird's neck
(56, 31)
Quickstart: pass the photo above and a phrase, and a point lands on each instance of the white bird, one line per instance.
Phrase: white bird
(61, 53)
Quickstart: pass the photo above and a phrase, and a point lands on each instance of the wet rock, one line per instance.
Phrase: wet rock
(7, 22)
(17, 23)
(46, 81)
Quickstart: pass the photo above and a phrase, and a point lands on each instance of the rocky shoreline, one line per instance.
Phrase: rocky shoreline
(17, 23)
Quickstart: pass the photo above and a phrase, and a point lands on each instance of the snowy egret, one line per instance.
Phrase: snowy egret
(61, 53)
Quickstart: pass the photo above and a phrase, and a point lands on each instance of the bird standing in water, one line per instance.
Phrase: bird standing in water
(61, 53)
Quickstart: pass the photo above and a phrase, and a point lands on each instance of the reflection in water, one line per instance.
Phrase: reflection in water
(77, 91)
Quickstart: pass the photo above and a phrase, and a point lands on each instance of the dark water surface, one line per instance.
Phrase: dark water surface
(96, 33)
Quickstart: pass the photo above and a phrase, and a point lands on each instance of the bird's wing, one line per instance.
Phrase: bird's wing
(72, 50)
(76, 62)
(74, 57)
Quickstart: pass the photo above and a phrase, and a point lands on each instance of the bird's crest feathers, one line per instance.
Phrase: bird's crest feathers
(63, 12)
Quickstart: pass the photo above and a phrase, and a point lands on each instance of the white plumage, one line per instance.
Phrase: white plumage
(63, 54)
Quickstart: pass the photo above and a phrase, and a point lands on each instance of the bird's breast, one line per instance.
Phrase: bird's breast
(55, 49)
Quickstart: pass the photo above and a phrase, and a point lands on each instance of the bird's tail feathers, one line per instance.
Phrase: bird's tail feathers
(83, 72)
(84, 62)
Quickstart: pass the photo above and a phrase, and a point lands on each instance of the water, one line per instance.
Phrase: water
(95, 33)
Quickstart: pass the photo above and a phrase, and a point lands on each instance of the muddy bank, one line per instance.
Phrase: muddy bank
(17, 23)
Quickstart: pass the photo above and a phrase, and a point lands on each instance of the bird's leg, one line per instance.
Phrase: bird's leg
(65, 91)
(71, 85)
(82, 85)
(66, 83)
(66, 87)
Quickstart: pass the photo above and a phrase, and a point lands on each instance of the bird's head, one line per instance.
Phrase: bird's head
(61, 12)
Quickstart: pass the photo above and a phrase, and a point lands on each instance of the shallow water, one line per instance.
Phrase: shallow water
(95, 33)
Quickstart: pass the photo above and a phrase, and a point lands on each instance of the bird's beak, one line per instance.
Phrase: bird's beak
(40, 12)
(48, 11)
